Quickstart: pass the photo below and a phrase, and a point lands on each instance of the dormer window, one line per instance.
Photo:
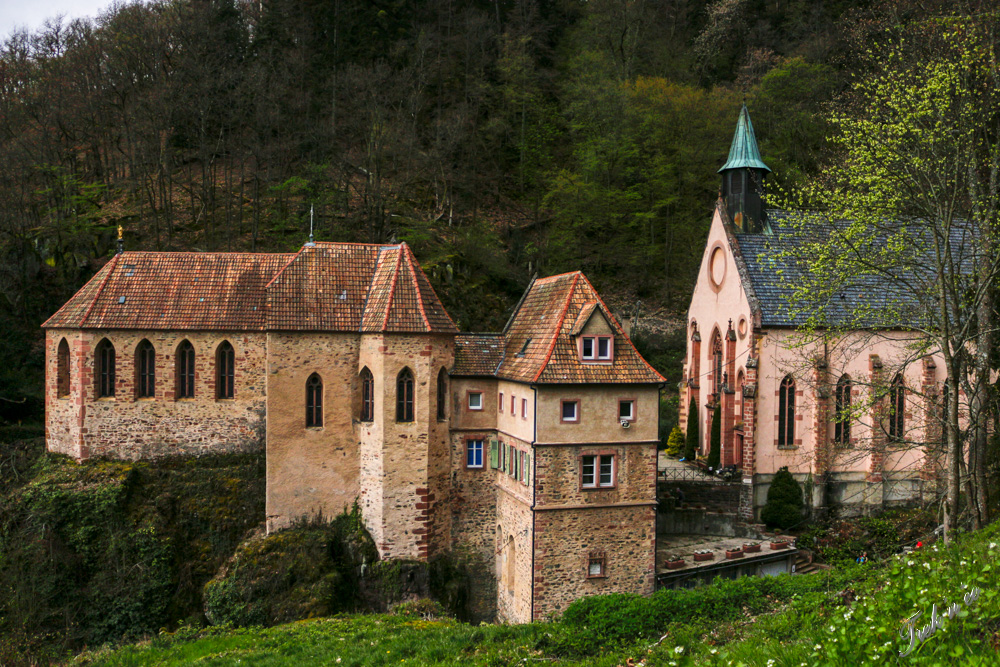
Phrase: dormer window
(596, 348)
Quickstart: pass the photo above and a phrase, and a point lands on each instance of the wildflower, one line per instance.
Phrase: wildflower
(993, 545)
(714, 651)
(833, 629)
(909, 562)
(678, 650)
(770, 662)
(927, 565)
(868, 619)
(817, 647)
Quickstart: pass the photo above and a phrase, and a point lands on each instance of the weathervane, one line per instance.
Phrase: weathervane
(311, 243)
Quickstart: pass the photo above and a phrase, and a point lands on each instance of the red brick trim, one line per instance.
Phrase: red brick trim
(578, 410)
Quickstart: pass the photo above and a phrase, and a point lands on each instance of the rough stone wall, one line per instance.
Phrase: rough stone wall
(310, 470)
(566, 539)
(557, 479)
(126, 426)
(514, 543)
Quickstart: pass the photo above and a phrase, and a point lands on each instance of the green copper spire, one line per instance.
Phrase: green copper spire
(744, 151)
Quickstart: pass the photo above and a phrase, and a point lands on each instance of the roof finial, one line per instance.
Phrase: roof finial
(311, 242)
(121, 243)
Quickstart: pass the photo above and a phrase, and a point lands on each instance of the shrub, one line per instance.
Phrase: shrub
(675, 443)
(715, 440)
(691, 444)
(784, 501)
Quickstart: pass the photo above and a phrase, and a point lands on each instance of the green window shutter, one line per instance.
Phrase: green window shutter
(506, 456)
(527, 468)
(494, 453)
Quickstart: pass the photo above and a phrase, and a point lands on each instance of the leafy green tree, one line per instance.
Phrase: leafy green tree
(691, 444)
(784, 501)
(715, 439)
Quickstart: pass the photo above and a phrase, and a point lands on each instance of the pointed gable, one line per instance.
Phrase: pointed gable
(541, 343)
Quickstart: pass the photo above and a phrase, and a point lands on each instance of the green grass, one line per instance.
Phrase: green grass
(850, 617)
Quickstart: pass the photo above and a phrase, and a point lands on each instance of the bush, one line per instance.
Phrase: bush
(715, 440)
(675, 443)
(784, 501)
(691, 444)
(309, 570)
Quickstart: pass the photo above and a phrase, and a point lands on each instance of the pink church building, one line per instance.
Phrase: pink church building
(856, 419)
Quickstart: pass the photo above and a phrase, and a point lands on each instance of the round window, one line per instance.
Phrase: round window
(741, 328)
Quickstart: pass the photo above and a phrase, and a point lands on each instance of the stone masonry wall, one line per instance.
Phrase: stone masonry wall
(126, 426)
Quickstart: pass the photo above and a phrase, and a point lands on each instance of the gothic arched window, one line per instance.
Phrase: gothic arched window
(897, 407)
(314, 401)
(225, 370)
(105, 368)
(367, 395)
(442, 394)
(842, 412)
(62, 369)
(145, 370)
(716, 363)
(404, 396)
(185, 370)
(786, 412)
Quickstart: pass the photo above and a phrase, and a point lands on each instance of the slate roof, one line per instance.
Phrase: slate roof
(743, 152)
(478, 353)
(323, 287)
(539, 346)
(866, 302)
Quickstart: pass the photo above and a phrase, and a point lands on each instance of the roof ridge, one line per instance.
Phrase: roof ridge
(618, 326)
(392, 290)
(100, 288)
(520, 302)
(282, 269)
(560, 275)
(368, 292)
(416, 285)
(559, 325)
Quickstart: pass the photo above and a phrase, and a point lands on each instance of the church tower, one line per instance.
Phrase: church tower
(743, 179)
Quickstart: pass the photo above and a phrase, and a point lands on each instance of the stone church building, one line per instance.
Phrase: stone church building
(531, 451)
(850, 419)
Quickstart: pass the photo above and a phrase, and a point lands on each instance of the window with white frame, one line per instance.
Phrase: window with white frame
(604, 347)
(475, 400)
(473, 453)
(570, 411)
(596, 348)
(597, 471)
(524, 408)
(626, 409)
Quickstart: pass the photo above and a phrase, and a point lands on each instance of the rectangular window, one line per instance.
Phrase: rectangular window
(475, 400)
(524, 408)
(626, 409)
(570, 411)
(604, 347)
(474, 453)
(513, 401)
(523, 475)
(500, 402)
(587, 348)
(597, 471)
(596, 566)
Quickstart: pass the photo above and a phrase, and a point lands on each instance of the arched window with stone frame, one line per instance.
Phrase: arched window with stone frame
(717, 363)
(367, 396)
(104, 369)
(896, 412)
(62, 369)
(842, 411)
(145, 370)
(314, 401)
(185, 369)
(404, 396)
(225, 370)
(786, 412)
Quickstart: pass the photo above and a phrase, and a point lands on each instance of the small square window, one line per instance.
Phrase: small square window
(604, 347)
(587, 348)
(475, 400)
(474, 453)
(570, 411)
(524, 408)
(596, 567)
(626, 409)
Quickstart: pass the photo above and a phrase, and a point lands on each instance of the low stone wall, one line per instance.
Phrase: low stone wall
(713, 496)
(702, 522)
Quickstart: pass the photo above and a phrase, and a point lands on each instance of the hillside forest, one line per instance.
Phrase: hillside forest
(500, 138)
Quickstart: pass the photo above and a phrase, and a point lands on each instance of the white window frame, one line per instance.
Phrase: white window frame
(470, 448)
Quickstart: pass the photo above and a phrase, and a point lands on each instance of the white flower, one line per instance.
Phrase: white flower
(993, 545)
(770, 662)
(833, 629)
(963, 563)
(714, 651)
(678, 649)
(817, 647)
(909, 562)
(927, 565)
(868, 619)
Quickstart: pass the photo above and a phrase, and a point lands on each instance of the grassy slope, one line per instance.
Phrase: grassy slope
(855, 622)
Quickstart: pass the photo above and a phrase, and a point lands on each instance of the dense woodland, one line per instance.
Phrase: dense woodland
(500, 138)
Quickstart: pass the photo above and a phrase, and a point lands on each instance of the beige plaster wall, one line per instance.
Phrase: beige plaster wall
(310, 470)
(598, 413)
(514, 424)
(464, 418)
(126, 426)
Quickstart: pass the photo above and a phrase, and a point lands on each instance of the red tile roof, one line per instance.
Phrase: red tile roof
(478, 353)
(323, 287)
(539, 343)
